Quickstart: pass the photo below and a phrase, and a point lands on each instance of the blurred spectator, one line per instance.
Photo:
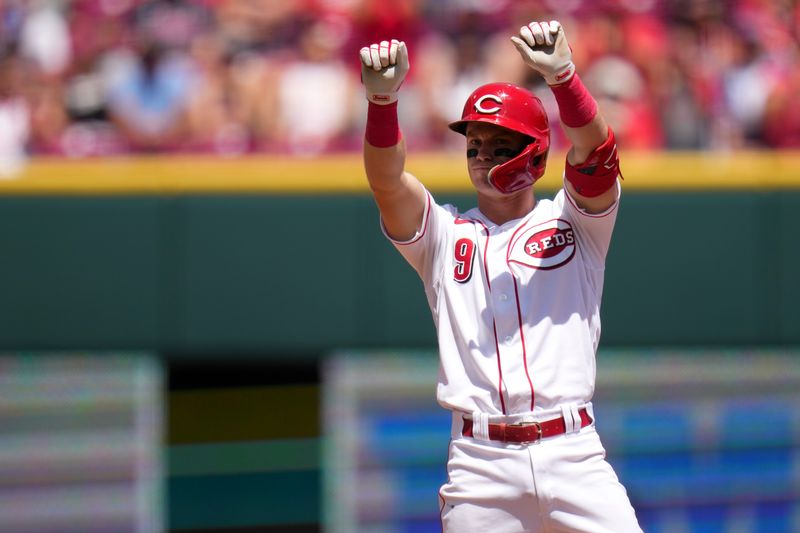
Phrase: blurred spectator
(258, 26)
(44, 37)
(316, 94)
(14, 116)
(12, 16)
(681, 116)
(616, 71)
(747, 85)
(46, 46)
(782, 113)
(48, 116)
(256, 39)
(148, 96)
(149, 85)
(171, 24)
(98, 32)
(376, 20)
(621, 92)
(215, 122)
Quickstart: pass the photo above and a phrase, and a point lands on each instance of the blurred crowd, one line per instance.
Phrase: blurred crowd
(86, 78)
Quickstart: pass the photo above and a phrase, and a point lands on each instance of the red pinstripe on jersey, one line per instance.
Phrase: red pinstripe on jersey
(522, 340)
(499, 367)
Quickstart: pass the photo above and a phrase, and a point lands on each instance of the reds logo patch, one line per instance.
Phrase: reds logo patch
(544, 246)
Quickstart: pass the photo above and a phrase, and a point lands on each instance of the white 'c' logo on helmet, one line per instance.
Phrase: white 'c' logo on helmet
(494, 109)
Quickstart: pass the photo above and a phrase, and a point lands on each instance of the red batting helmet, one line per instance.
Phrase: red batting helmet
(514, 108)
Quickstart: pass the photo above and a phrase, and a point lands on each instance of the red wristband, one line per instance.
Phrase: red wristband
(575, 105)
(383, 129)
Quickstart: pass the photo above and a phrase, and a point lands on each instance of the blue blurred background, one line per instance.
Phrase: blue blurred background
(203, 330)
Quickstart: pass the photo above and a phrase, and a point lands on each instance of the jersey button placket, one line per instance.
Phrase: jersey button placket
(503, 312)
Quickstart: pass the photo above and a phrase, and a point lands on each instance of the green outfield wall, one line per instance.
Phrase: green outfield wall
(176, 266)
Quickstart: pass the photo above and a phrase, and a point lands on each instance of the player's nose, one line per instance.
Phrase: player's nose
(485, 153)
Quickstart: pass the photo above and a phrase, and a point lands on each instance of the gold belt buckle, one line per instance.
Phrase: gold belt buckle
(539, 433)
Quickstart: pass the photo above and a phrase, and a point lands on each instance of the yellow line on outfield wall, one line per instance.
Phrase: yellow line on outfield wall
(182, 174)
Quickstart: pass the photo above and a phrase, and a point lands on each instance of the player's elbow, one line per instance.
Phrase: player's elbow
(586, 139)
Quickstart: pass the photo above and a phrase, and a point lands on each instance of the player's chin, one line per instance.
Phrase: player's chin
(480, 180)
(479, 175)
(481, 185)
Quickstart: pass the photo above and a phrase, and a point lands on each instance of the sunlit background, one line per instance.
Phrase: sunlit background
(202, 329)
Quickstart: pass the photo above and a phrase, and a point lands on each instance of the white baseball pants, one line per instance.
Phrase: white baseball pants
(560, 485)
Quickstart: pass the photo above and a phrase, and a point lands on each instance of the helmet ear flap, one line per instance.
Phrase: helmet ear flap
(520, 172)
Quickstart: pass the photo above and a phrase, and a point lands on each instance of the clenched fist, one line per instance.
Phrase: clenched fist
(543, 46)
(384, 66)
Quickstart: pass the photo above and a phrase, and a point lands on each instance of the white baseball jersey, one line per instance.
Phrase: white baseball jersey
(516, 306)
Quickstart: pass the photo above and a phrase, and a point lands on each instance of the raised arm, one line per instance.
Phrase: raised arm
(399, 195)
(592, 164)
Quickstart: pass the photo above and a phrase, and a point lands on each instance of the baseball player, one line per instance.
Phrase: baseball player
(514, 286)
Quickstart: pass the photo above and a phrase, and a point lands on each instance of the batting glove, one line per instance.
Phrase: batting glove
(384, 66)
(543, 46)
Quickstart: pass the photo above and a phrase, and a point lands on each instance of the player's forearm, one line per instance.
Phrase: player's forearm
(581, 121)
(399, 195)
(585, 139)
(384, 166)
(384, 148)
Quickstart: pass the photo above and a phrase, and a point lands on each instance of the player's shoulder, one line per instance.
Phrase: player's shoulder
(555, 206)
(447, 209)
(548, 205)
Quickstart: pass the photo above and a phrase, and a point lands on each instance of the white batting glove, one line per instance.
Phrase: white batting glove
(384, 66)
(543, 46)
